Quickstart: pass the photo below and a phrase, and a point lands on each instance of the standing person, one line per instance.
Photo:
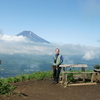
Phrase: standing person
(58, 59)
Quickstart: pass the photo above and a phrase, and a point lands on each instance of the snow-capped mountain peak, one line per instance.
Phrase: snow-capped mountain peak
(32, 36)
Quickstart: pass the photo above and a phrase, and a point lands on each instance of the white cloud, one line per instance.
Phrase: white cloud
(20, 45)
(90, 55)
(24, 47)
(9, 38)
(66, 59)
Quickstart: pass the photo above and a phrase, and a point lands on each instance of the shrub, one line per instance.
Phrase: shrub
(2, 80)
(39, 75)
(30, 77)
(9, 80)
(70, 77)
(97, 66)
(48, 74)
(15, 79)
(6, 88)
(22, 77)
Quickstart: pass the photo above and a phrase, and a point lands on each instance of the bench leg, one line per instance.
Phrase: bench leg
(92, 77)
(63, 77)
(63, 74)
(98, 76)
(66, 80)
(83, 70)
(83, 77)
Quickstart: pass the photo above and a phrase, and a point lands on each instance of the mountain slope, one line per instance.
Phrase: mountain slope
(32, 36)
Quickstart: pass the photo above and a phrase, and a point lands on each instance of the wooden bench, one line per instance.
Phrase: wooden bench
(82, 66)
(66, 78)
(97, 75)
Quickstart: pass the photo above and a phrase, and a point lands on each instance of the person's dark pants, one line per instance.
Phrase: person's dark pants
(56, 73)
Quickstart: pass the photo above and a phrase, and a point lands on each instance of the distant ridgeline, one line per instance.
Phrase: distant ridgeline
(33, 37)
(16, 64)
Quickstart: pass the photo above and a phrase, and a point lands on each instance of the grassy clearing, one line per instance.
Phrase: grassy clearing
(6, 88)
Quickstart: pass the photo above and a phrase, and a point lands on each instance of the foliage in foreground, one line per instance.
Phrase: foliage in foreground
(5, 88)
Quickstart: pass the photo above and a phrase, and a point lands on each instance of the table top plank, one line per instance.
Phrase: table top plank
(97, 70)
(73, 65)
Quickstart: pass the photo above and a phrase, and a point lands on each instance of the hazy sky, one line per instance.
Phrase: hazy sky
(61, 21)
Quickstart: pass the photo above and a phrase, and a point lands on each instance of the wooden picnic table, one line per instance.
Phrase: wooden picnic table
(97, 75)
(65, 73)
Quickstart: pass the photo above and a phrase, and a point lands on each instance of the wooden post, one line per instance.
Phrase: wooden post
(63, 75)
(66, 80)
(92, 78)
(83, 70)
(98, 76)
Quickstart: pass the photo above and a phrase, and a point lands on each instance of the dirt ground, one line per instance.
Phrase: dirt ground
(45, 90)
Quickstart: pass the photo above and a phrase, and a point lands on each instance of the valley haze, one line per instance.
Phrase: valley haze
(26, 53)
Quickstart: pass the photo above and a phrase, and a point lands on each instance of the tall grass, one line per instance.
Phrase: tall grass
(37, 76)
